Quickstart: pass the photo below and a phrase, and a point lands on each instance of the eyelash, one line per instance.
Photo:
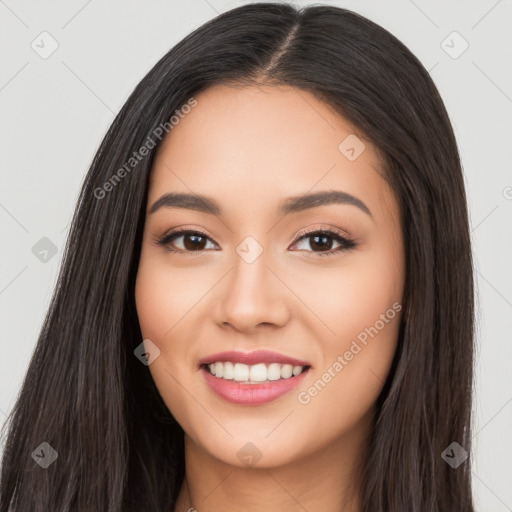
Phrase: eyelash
(346, 243)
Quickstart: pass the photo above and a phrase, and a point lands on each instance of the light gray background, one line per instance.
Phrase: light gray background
(54, 112)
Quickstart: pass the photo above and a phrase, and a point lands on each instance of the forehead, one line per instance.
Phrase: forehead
(262, 143)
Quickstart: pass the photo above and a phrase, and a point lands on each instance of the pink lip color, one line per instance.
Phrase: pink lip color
(250, 358)
(251, 394)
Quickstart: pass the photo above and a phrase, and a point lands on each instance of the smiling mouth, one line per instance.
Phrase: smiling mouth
(253, 374)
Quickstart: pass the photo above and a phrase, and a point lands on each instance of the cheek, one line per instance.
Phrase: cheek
(341, 394)
(154, 305)
(351, 297)
(164, 295)
(365, 294)
(359, 305)
(168, 302)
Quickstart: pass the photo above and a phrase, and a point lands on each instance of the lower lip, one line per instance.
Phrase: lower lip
(251, 394)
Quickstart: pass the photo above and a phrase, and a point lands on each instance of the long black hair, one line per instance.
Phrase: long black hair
(87, 395)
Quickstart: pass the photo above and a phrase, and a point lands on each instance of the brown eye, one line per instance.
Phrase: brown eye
(187, 241)
(194, 242)
(321, 242)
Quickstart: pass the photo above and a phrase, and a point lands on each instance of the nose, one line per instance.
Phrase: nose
(252, 297)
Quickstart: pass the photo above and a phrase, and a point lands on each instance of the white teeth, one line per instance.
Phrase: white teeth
(229, 372)
(240, 372)
(252, 374)
(297, 370)
(286, 371)
(258, 373)
(274, 371)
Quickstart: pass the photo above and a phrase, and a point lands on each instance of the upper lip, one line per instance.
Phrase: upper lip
(251, 358)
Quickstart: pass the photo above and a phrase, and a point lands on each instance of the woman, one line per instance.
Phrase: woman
(266, 299)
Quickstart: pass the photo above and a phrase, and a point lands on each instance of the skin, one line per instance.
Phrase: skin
(249, 148)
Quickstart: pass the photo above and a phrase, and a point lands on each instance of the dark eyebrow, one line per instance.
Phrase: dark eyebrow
(187, 201)
(290, 205)
(305, 201)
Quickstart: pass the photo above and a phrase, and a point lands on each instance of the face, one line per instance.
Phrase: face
(315, 283)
